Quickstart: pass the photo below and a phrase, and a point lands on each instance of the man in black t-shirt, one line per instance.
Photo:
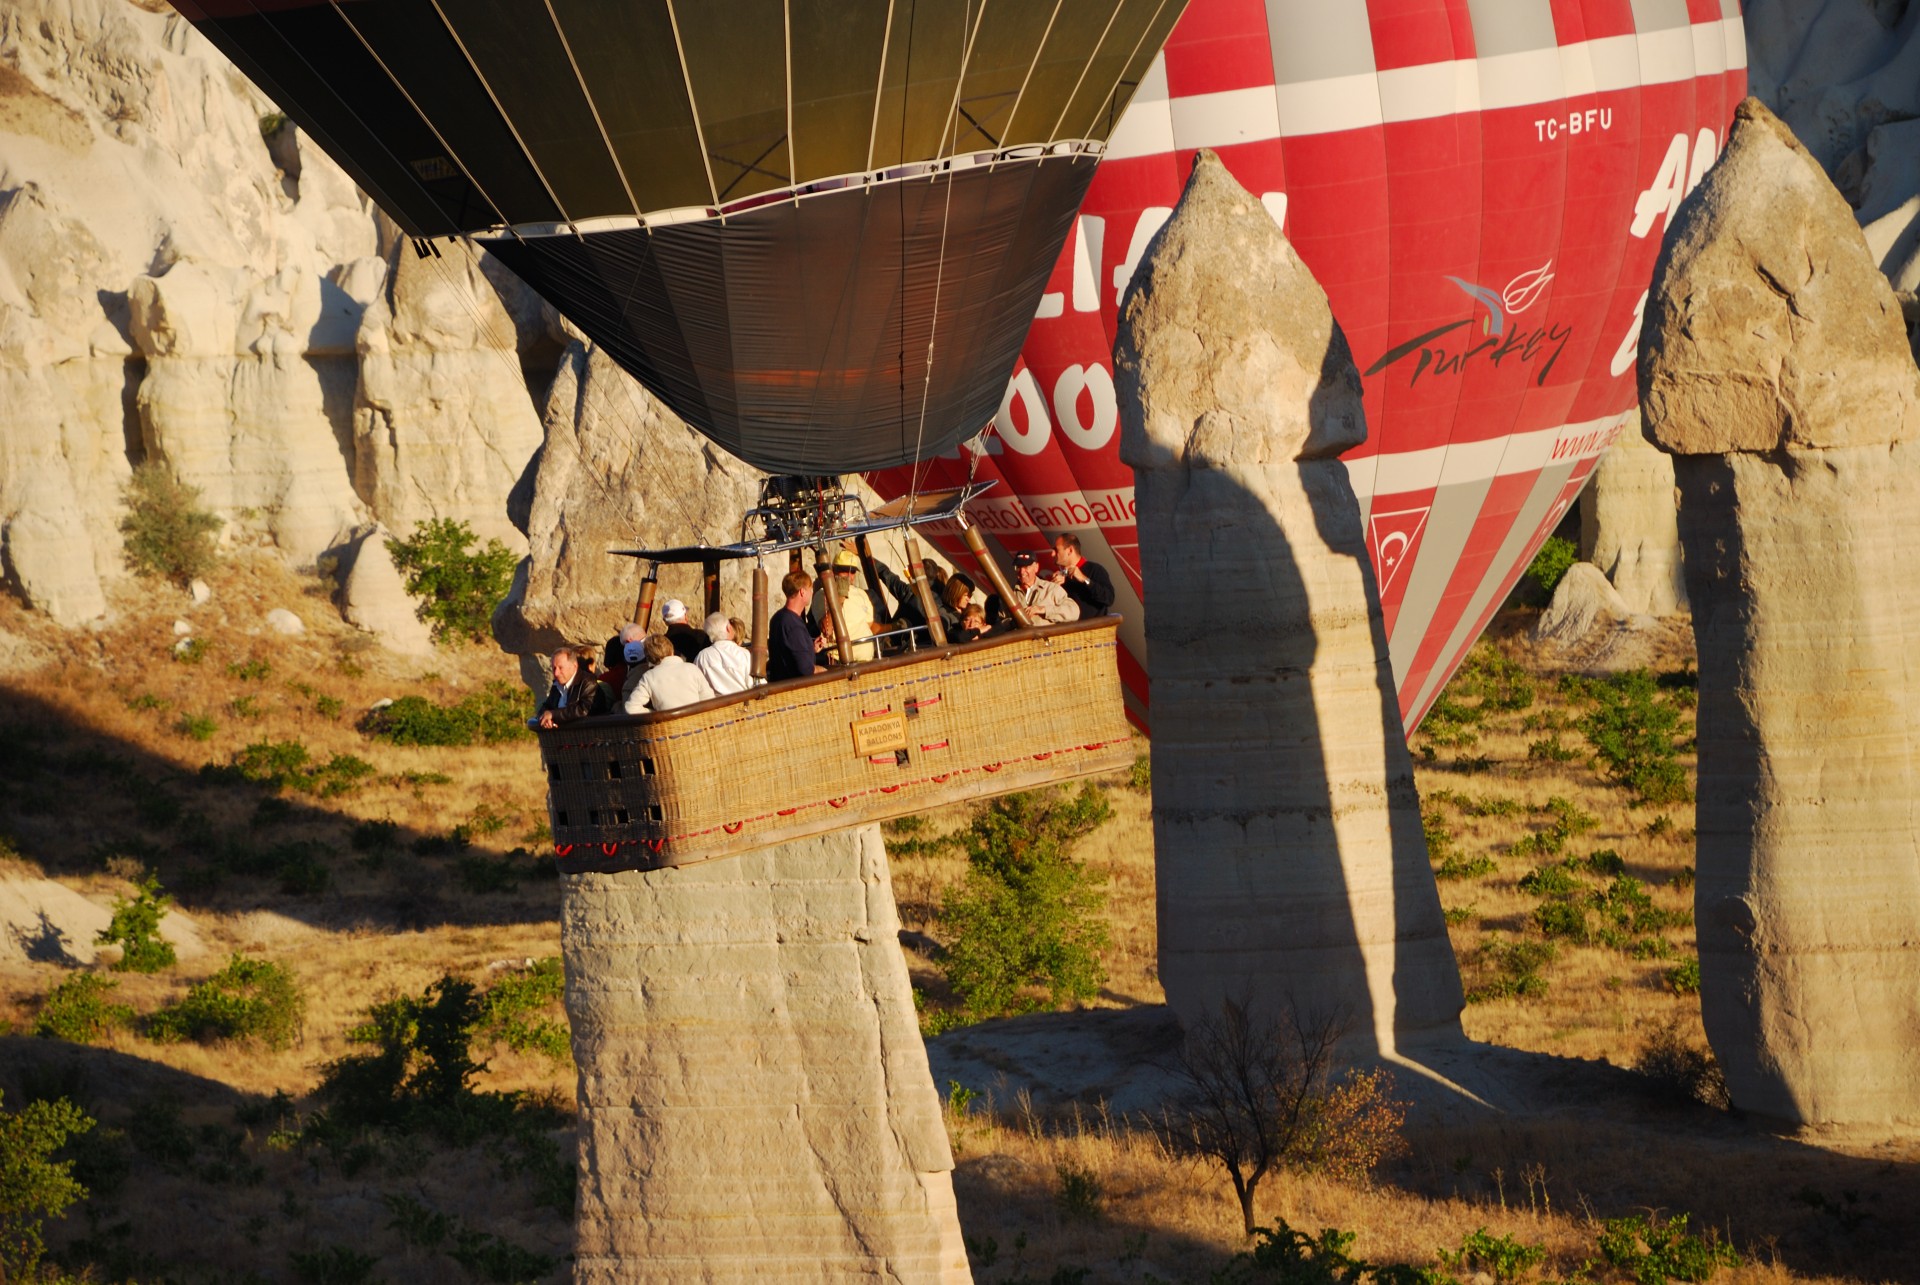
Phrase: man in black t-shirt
(790, 646)
(1087, 583)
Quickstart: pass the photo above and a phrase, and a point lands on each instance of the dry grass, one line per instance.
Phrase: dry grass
(104, 710)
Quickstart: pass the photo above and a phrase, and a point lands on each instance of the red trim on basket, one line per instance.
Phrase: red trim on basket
(611, 849)
(941, 779)
(840, 802)
(935, 745)
(562, 849)
(734, 827)
(1041, 758)
(786, 812)
(889, 789)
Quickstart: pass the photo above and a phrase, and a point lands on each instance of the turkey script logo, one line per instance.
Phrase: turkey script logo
(1502, 341)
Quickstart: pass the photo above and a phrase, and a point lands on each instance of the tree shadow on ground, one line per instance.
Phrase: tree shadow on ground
(81, 802)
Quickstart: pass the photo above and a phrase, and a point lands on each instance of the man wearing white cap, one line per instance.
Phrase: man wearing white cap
(687, 641)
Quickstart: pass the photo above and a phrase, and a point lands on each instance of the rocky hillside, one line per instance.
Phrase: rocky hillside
(184, 278)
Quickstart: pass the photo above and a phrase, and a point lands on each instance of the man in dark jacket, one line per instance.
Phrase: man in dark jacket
(574, 694)
(687, 641)
(1087, 583)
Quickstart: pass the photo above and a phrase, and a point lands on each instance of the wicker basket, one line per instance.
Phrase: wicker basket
(842, 748)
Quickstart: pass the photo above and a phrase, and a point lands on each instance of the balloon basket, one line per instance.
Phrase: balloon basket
(842, 748)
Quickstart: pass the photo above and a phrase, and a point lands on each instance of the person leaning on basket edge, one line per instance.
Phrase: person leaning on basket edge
(574, 694)
(1044, 600)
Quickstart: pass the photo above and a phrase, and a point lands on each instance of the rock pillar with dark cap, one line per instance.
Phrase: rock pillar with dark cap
(755, 1103)
(1290, 862)
(1774, 367)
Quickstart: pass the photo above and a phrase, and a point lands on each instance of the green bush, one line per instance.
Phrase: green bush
(457, 584)
(493, 715)
(1551, 564)
(1502, 1256)
(1655, 1250)
(1509, 970)
(249, 999)
(33, 1185)
(288, 765)
(198, 727)
(510, 1011)
(166, 534)
(1561, 919)
(1549, 881)
(1684, 977)
(77, 1010)
(1635, 731)
(135, 930)
(1456, 866)
(1025, 917)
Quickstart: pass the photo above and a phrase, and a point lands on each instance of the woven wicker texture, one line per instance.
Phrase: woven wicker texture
(843, 748)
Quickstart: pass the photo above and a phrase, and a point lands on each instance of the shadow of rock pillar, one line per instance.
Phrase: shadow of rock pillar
(1291, 867)
(1774, 367)
(755, 1104)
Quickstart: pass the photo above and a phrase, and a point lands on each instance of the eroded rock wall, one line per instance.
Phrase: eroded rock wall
(1628, 529)
(1775, 368)
(755, 1103)
(1291, 867)
(185, 278)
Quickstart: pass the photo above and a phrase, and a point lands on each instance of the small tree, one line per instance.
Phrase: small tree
(136, 927)
(33, 1185)
(1026, 915)
(1260, 1094)
(167, 533)
(458, 585)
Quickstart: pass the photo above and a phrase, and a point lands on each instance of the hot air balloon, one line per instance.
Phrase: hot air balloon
(1480, 187)
(818, 230)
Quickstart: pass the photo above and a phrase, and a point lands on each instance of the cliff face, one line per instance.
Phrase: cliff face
(183, 277)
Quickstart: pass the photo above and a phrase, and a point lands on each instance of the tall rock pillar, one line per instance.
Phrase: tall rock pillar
(1290, 862)
(1627, 526)
(1775, 370)
(755, 1103)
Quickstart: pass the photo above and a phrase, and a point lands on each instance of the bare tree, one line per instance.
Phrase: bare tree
(1252, 1091)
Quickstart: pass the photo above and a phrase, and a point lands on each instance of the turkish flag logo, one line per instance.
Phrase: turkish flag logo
(1396, 536)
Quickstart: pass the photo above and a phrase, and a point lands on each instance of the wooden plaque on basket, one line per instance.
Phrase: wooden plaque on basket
(880, 733)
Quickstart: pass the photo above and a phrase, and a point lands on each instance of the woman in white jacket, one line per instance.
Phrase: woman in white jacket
(727, 665)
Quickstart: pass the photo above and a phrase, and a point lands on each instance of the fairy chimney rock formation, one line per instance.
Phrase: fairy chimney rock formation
(1627, 526)
(1774, 367)
(1292, 867)
(755, 1103)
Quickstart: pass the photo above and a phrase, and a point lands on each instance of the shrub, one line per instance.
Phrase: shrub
(1024, 918)
(289, 765)
(493, 715)
(1502, 1256)
(77, 1010)
(135, 930)
(33, 1185)
(1684, 977)
(166, 534)
(1549, 881)
(196, 727)
(1551, 749)
(1459, 867)
(1561, 919)
(1140, 775)
(1080, 1192)
(458, 585)
(1634, 730)
(1550, 565)
(1655, 1250)
(1682, 1068)
(1605, 862)
(1509, 970)
(249, 999)
(509, 1011)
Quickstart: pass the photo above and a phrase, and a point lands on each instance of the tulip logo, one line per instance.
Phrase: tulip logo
(1521, 294)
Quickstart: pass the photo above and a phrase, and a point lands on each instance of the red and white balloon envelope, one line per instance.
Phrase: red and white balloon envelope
(1480, 187)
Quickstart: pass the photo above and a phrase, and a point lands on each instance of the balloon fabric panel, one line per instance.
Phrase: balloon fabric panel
(1481, 188)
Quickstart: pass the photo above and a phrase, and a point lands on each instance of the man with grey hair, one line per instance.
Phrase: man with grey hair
(727, 665)
(574, 694)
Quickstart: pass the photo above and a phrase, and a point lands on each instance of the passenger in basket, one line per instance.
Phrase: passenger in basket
(856, 609)
(688, 642)
(574, 694)
(954, 599)
(727, 665)
(1087, 583)
(633, 659)
(789, 645)
(670, 681)
(1046, 602)
(973, 624)
(615, 672)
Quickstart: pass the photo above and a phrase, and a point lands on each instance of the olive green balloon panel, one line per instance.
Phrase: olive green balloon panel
(817, 229)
